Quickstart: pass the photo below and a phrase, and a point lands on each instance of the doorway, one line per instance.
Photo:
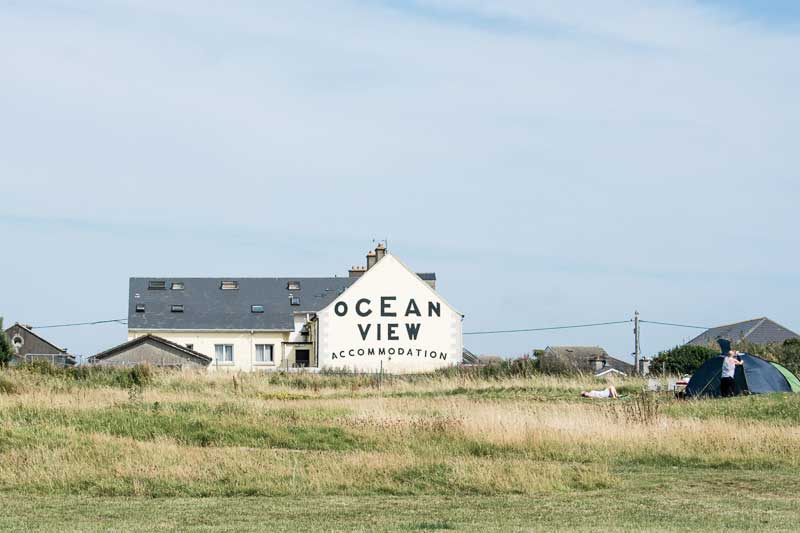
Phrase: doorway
(302, 358)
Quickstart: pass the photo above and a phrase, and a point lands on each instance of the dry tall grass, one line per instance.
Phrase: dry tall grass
(198, 434)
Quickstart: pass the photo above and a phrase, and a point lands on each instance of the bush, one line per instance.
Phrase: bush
(6, 350)
(137, 376)
(7, 386)
(681, 359)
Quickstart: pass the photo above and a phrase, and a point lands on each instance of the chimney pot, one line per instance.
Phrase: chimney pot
(380, 251)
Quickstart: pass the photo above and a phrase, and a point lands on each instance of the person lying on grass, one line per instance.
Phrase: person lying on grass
(608, 392)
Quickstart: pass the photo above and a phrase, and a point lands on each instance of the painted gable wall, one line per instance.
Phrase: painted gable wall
(349, 340)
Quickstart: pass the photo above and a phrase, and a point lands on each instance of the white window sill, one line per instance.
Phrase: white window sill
(264, 363)
(226, 363)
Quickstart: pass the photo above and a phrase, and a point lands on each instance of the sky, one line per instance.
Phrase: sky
(554, 163)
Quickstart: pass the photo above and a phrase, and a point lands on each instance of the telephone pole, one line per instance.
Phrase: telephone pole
(636, 352)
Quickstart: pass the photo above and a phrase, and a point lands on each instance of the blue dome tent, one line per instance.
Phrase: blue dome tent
(755, 376)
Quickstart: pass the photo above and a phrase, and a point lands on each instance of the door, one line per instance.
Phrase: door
(302, 358)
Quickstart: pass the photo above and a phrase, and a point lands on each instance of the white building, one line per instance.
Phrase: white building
(382, 316)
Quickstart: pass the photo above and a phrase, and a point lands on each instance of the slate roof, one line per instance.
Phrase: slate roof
(207, 306)
(201, 358)
(757, 331)
(580, 357)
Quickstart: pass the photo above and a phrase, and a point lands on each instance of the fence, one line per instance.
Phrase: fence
(56, 359)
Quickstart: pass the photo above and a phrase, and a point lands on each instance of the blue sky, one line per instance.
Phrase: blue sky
(554, 163)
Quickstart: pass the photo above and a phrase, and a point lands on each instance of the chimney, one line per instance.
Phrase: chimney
(357, 271)
(371, 259)
(380, 251)
(597, 364)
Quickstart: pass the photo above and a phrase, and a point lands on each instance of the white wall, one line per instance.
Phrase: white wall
(341, 343)
(244, 352)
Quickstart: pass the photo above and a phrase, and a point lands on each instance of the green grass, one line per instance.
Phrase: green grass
(160, 451)
(675, 506)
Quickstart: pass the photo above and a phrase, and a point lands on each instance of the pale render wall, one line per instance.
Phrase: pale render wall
(244, 351)
(389, 277)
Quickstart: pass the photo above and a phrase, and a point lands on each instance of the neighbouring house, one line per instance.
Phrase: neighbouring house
(29, 346)
(584, 359)
(382, 316)
(756, 331)
(154, 351)
(470, 359)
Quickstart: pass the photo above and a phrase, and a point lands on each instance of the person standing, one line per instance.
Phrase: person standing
(727, 385)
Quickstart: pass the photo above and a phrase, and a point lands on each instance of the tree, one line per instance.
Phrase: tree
(681, 359)
(6, 350)
(790, 355)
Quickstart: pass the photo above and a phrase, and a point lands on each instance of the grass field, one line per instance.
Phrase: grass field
(112, 450)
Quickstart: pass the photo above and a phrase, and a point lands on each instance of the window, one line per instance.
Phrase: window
(229, 285)
(140, 308)
(156, 285)
(294, 300)
(264, 353)
(256, 308)
(293, 286)
(177, 286)
(177, 308)
(190, 346)
(223, 353)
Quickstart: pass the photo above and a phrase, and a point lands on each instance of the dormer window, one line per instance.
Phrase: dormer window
(140, 308)
(229, 285)
(177, 308)
(293, 286)
(156, 285)
(177, 286)
(294, 300)
(256, 308)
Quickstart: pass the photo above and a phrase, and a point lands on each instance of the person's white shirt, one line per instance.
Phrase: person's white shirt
(728, 366)
(599, 393)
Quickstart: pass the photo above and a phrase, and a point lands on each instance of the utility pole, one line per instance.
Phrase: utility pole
(636, 352)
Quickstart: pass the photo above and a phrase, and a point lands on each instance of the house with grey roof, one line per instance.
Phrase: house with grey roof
(29, 346)
(756, 331)
(271, 322)
(583, 359)
(151, 350)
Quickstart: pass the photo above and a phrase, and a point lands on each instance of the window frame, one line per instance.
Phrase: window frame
(156, 285)
(229, 285)
(177, 286)
(221, 348)
(262, 361)
(294, 300)
(176, 308)
(254, 308)
(293, 286)
(140, 308)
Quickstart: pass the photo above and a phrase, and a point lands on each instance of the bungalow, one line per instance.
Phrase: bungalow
(585, 359)
(756, 331)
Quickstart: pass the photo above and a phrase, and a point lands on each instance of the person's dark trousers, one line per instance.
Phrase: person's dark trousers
(726, 387)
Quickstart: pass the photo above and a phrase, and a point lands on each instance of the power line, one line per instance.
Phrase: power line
(672, 324)
(118, 320)
(548, 328)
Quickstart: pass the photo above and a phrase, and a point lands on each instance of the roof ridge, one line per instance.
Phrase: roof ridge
(751, 330)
